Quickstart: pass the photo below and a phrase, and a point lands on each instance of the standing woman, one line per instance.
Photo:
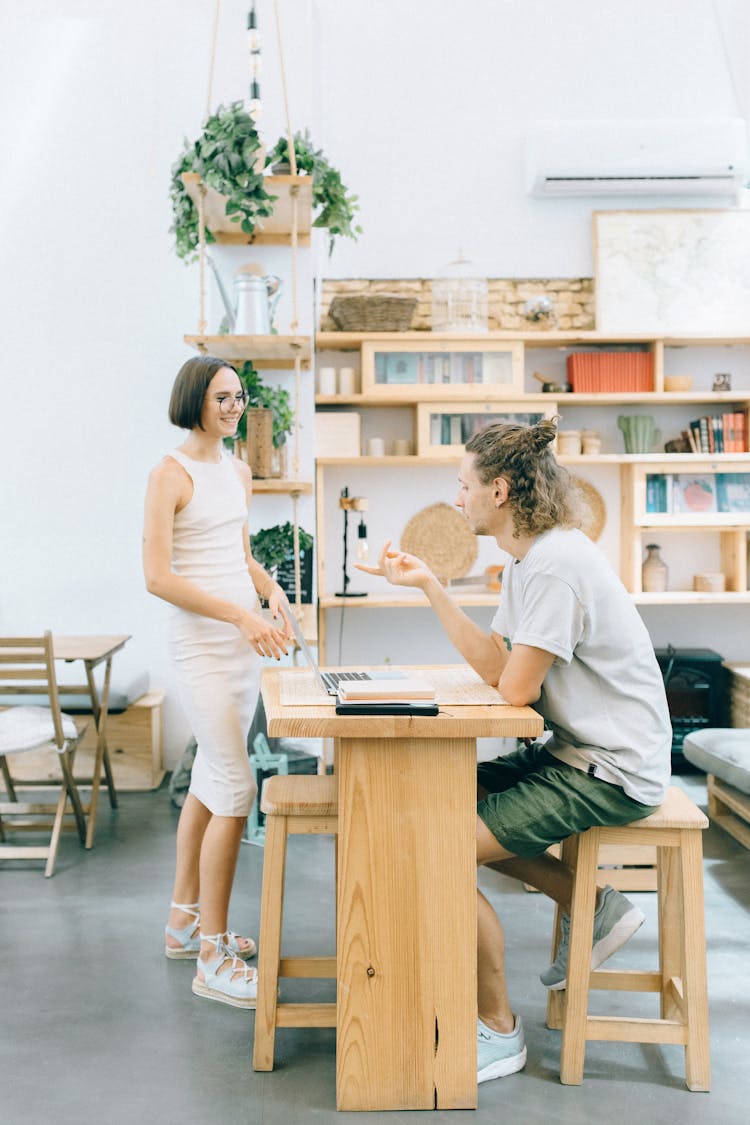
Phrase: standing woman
(196, 555)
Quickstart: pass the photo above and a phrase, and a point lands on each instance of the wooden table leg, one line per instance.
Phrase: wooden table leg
(406, 913)
(100, 710)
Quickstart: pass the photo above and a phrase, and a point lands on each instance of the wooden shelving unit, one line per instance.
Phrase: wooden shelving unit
(274, 229)
(731, 528)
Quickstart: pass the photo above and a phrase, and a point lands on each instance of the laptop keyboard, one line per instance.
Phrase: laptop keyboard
(332, 679)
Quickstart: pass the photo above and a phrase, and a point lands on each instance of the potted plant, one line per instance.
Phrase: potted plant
(226, 157)
(337, 207)
(273, 548)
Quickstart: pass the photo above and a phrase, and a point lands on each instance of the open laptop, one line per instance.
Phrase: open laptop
(330, 680)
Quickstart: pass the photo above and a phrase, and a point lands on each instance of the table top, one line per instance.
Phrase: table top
(94, 648)
(489, 720)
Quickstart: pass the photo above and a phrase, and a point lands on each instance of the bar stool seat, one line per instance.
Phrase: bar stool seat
(675, 829)
(297, 804)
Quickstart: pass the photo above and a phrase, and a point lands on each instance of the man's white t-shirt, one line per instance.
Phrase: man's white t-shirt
(603, 697)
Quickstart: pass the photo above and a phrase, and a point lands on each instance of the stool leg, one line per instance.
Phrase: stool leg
(269, 941)
(670, 910)
(556, 997)
(573, 1048)
(697, 1057)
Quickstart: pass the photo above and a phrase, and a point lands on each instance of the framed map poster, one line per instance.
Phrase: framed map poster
(672, 272)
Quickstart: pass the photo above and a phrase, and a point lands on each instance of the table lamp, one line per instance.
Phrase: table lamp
(353, 504)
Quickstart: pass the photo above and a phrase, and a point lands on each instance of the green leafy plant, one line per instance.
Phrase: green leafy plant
(273, 545)
(224, 156)
(337, 206)
(275, 399)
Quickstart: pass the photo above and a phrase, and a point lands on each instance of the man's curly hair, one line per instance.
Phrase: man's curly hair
(541, 493)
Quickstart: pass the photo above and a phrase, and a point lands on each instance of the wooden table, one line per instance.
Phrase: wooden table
(406, 896)
(93, 650)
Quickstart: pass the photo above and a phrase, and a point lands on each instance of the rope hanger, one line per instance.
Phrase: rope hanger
(294, 326)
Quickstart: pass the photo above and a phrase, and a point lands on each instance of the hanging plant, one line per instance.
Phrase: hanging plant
(224, 156)
(337, 207)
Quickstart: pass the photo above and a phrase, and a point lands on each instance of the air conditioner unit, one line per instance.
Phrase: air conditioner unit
(706, 157)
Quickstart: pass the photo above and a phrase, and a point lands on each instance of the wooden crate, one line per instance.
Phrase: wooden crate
(135, 743)
(739, 695)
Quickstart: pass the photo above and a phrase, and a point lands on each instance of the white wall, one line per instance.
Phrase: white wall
(423, 106)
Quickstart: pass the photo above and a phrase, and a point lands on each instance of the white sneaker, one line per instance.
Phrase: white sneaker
(497, 1054)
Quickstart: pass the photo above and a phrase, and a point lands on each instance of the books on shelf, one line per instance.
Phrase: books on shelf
(697, 493)
(719, 433)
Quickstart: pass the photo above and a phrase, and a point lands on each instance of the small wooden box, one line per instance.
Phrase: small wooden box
(443, 428)
(337, 433)
(136, 744)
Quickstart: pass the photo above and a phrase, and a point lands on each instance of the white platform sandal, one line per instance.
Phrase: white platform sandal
(190, 941)
(237, 986)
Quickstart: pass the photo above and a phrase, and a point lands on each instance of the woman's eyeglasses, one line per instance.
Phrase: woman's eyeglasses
(228, 402)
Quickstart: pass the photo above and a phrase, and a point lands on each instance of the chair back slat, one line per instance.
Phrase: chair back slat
(17, 673)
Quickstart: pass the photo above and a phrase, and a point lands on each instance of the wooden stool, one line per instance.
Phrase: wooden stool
(675, 830)
(299, 804)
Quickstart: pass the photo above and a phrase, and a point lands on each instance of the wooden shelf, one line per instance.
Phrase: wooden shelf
(677, 462)
(410, 601)
(690, 597)
(264, 351)
(487, 392)
(344, 341)
(407, 601)
(271, 230)
(276, 485)
(700, 521)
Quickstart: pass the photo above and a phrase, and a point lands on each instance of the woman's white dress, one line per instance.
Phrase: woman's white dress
(218, 672)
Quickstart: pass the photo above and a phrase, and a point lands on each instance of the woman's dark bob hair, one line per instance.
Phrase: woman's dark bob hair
(189, 390)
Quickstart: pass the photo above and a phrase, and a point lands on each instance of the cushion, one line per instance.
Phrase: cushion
(724, 751)
(28, 728)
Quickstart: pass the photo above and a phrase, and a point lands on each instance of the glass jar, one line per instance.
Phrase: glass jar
(654, 572)
(278, 462)
(459, 298)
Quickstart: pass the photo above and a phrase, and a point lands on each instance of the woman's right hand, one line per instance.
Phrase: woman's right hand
(399, 568)
(265, 638)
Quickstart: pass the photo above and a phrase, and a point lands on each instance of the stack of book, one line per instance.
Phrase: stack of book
(689, 493)
(718, 433)
(614, 372)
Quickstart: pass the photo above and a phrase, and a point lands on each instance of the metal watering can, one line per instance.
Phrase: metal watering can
(255, 300)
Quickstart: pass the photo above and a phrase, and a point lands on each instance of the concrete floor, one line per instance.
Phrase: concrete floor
(98, 1025)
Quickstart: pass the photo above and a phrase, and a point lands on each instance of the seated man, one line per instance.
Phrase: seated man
(568, 640)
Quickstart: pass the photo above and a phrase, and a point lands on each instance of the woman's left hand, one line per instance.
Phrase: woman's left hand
(279, 604)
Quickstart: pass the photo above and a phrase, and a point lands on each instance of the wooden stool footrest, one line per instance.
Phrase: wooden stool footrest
(632, 1029)
(308, 967)
(306, 1015)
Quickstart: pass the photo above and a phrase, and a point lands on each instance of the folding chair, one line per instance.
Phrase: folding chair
(27, 669)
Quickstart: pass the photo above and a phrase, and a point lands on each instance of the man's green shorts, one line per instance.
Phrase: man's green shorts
(534, 800)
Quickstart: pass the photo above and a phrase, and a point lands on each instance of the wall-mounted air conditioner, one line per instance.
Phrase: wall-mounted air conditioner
(702, 156)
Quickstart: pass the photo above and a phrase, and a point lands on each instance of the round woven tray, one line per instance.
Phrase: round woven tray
(595, 512)
(440, 536)
(380, 312)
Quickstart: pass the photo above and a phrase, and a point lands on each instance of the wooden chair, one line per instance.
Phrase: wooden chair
(27, 668)
(297, 804)
(675, 829)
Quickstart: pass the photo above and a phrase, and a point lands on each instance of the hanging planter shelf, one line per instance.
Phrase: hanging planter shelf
(273, 484)
(270, 230)
(277, 352)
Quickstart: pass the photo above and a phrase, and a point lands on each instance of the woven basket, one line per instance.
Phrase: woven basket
(440, 536)
(257, 451)
(380, 312)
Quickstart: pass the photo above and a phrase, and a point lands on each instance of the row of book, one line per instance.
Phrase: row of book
(718, 433)
(697, 493)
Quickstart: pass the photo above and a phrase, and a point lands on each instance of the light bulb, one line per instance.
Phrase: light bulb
(363, 547)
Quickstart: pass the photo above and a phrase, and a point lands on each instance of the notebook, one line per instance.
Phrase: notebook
(330, 681)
